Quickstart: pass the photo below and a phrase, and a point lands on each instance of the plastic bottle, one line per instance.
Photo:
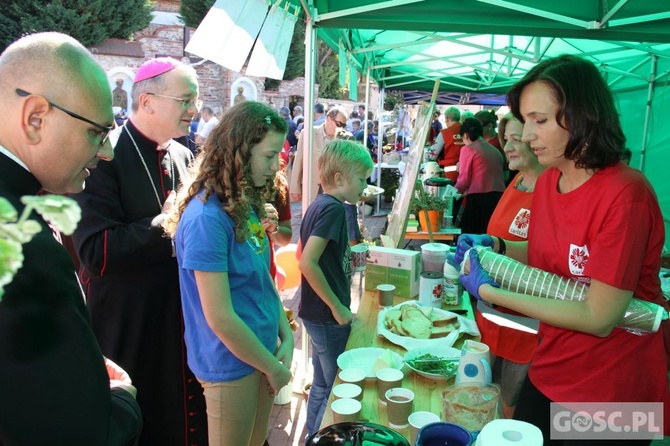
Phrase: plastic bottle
(452, 285)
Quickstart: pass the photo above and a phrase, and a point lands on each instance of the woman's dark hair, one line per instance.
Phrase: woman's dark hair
(585, 109)
(487, 117)
(473, 128)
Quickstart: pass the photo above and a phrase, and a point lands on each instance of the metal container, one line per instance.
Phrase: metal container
(431, 286)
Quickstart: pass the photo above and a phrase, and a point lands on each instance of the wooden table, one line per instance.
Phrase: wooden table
(427, 392)
(443, 234)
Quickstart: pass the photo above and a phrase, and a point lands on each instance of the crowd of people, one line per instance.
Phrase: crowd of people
(173, 331)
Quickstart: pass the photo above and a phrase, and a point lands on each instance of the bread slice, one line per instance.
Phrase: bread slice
(440, 332)
(391, 317)
(427, 310)
(442, 320)
(414, 322)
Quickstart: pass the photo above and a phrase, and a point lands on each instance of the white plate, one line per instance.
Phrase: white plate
(440, 352)
(371, 192)
(467, 326)
(364, 358)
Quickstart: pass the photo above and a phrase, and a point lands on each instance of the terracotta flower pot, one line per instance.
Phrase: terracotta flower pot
(435, 219)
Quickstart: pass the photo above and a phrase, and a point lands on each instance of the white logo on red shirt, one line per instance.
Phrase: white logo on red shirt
(577, 259)
(519, 225)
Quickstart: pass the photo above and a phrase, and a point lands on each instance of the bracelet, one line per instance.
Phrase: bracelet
(502, 246)
(275, 231)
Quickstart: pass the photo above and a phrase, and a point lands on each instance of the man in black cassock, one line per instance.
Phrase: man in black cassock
(129, 270)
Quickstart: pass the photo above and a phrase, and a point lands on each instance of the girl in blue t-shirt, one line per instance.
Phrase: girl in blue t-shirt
(238, 340)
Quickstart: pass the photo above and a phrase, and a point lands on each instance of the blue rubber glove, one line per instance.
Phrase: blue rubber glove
(476, 278)
(467, 241)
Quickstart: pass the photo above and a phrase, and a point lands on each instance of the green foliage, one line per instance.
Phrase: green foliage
(295, 65)
(390, 181)
(424, 200)
(271, 84)
(89, 21)
(327, 75)
(193, 11)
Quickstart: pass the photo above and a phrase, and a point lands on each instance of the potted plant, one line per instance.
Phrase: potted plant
(429, 208)
(390, 181)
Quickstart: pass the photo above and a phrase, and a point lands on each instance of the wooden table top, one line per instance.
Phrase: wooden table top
(443, 234)
(427, 392)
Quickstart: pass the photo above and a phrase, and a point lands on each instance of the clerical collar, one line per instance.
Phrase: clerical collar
(143, 140)
(13, 157)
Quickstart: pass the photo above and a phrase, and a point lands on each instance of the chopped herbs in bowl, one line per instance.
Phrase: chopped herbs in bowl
(438, 363)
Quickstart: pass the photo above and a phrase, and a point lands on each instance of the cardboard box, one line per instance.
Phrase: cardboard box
(399, 267)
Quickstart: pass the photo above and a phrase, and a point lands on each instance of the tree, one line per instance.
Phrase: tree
(327, 71)
(193, 11)
(89, 21)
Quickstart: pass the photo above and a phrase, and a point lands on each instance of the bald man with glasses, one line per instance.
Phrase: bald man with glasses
(55, 385)
(128, 269)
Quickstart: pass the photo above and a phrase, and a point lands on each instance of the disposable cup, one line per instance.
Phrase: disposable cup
(385, 293)
(354, 376)
(387, 379)
(346, 410)
(417, 420)
(359, 256)
(399, 407)
(348, 390)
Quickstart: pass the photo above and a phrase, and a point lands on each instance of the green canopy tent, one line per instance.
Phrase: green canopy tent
(484, 46)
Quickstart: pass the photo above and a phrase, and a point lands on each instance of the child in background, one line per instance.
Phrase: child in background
(325, 264)
(232, 313)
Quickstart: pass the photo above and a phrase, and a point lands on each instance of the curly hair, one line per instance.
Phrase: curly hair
(585, 109)
(223, 167)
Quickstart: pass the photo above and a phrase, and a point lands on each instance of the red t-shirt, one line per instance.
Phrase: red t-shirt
(509, 221)
(452, 149)
(609, 229)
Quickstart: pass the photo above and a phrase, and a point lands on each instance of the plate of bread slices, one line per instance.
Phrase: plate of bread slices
(411, 325)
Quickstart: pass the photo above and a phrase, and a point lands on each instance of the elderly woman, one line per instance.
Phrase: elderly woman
(480, 177)
(597, 221)
(514, 340)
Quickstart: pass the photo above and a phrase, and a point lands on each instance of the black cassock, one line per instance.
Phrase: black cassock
(54, 388)
(132, 284)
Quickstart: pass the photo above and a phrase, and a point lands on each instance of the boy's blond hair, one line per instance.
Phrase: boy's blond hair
(345, 157)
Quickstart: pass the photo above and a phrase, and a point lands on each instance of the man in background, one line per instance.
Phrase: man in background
(210, 121)
(297, 114)
(129, 270)
(319, 114)
(55, 386)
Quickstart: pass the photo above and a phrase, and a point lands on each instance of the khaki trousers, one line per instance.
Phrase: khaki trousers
(238, 411)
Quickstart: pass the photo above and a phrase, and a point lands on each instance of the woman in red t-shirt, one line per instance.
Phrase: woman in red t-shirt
(597, 221)
(512, 342)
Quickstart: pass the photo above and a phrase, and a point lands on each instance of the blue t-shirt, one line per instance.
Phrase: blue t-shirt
(205, 241)
(326, 218)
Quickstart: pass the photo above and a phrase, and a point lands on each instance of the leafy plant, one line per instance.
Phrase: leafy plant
(62, 213)
(390, 181)
(429, 202)
(89, 21)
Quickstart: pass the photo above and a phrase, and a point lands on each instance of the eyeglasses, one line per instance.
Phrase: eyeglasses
(185, 103)
(104, 129)
(340, 124)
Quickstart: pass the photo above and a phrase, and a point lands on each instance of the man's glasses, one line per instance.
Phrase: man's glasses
(185, 103)
(340, 124)
(104, 129)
